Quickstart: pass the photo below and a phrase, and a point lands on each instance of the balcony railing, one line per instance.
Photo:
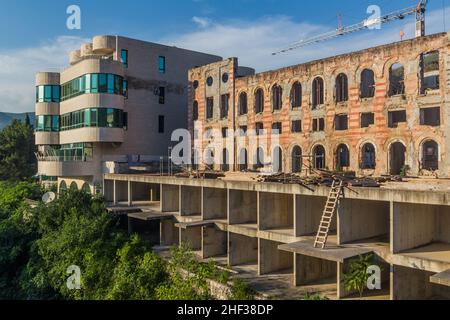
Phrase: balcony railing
(58, 158)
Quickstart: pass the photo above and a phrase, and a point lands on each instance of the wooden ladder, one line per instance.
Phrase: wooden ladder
(334, 197)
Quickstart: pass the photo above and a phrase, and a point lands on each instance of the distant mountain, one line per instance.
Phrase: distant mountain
(7, 118)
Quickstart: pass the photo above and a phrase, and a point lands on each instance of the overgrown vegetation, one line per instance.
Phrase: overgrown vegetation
(309, 296)
(37, 245)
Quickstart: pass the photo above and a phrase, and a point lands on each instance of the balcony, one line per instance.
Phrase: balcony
(112, 135)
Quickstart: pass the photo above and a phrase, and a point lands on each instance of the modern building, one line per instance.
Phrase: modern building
(379, 111)
(116, 104)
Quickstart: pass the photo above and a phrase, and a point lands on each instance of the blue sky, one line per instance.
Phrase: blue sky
(34, 37)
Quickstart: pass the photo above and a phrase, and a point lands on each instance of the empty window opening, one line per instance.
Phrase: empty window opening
(341, 88)
(341, 122)
(430, 156)
(277, 160)
(195, 159)
(243, 103)
(368, 160)
(317, 92)
(259, 101)
(225, 163)
(277, 96)
(367, 119)
(318, 124)
(342, 157)
(296, 95)
(430, 117)
(367, 85)
(209, 108)
(277, 128)
(319, 157)
(195, 111)
(259, 127)
(243, 160)
(396, 117)
(209, 157)
(297, 159)
(297, 126)
(242, 131)
(429, 71)
(224, 132)
(396, 80)
(397, 156)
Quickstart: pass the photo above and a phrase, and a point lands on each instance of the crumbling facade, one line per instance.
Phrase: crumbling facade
(379, 111)
(115, 105)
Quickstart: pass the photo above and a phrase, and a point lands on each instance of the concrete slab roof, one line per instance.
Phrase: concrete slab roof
(150, 216)
(442, 278)
(331, 253)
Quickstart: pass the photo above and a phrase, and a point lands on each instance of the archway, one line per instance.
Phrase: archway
(430, 155)
(259, 158)
(397, 158)
(243, 160)
(73, 186)
(277, 160)
(86, 188)
(225, 163)
(62, 187)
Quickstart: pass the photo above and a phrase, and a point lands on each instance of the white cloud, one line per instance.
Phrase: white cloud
(201, 22)
(254, 41)
(18, 69)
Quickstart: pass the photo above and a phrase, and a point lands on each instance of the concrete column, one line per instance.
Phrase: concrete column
(214, 242)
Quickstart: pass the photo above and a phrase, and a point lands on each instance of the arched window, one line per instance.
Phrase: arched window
(430, 155)
(259, 158)
(277, 97)
(341, 88)
(296, 95)
(73, 186)
(368, 156)
(319, 157)
(367, 85)
(297, 160)
(243, 103)
(259, 101)
(243, 160)
(62, 187)
(195, 111)
(342, 157)
(317, 92)
(86, 188)
(396, 79)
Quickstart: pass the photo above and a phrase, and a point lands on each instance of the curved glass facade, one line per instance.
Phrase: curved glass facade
(93, 83)
(47, 123)
(48, 93)
(93, 117)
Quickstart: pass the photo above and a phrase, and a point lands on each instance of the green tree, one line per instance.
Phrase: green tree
(17, 147)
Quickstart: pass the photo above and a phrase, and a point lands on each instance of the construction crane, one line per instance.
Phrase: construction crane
(418, 10)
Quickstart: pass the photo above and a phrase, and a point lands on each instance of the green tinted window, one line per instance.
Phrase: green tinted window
(48, 93)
